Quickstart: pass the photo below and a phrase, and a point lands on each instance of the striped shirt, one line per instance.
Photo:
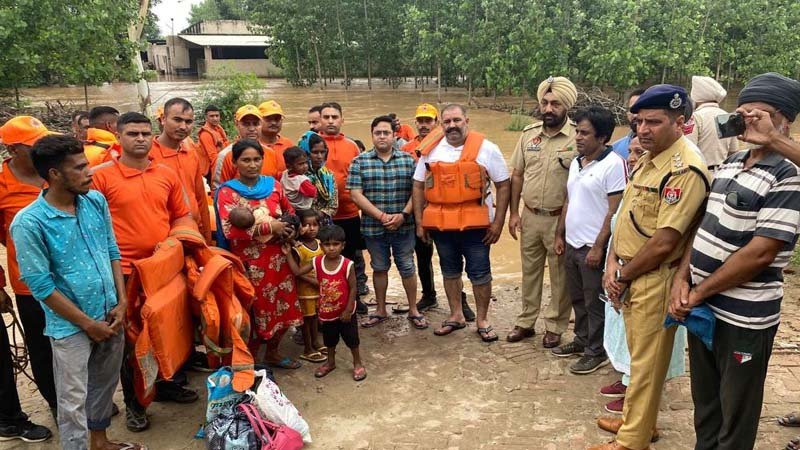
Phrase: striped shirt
(387, 185)
(763, 200)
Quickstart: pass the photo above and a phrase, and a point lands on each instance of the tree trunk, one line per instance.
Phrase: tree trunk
(438, 81)
(16, 98)
(320, 80)
(719, 62)
(86, 96)
(369, 56)
(297, 60)
(344, 45)
(469, 90)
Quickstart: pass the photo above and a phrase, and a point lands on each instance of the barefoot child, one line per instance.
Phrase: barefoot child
(305, 250)
(337, 298)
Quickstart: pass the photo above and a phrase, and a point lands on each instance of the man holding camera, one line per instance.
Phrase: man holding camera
(735, 266)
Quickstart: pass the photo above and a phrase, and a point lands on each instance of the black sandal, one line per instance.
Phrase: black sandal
(487, 334)
(451, 326)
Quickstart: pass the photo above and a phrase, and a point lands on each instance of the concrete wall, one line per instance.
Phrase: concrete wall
(218, 27)
(260, 67)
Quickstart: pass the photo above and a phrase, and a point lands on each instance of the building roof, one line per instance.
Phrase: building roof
(226, 40)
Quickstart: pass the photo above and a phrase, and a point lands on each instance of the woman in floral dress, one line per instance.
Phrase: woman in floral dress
(276, 306)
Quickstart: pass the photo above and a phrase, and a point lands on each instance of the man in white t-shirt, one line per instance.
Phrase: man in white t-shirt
(462, 229)
(594, 189)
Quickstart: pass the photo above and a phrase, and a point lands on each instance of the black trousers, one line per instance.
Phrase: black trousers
(728, 385)
(40, 353)
(585, 285)
(10, 409)
(425, 267)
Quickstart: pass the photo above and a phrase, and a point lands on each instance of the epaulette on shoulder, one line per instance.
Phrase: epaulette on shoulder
(537, 124)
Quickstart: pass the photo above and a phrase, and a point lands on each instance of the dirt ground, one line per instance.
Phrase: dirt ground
(455, 392)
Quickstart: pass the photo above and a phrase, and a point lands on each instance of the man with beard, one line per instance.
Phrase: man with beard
(427, 120)
(460, 217)
(660, 206)
(171, 149)
(621, 145)
(540, 165)
(735, 265)
(314, 119)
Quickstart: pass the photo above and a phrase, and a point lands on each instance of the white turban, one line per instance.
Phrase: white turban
(706, 89)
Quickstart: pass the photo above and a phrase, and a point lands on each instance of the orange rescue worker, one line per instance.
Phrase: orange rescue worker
(20, 185)
(101, 144)
(427, 120)
(146, 198)
(212, 138)
(402, 130)
(271, 125)
(248, 124)
(172, 149)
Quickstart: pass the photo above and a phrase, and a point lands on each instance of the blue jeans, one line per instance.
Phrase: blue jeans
(398, 245)
(463, 249)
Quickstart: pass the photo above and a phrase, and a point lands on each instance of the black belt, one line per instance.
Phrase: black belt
(545, 212)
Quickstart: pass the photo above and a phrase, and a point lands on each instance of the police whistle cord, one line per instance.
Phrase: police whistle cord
(18, 350)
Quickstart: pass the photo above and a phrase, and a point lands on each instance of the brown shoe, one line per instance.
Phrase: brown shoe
(519, 333)
(613, 424)
(551, 339)
(613, 445)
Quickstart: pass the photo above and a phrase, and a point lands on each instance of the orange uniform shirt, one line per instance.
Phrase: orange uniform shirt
(185, 162)
(341, 152)
(212, 139)
(410, 147)
(406, 132)
(100, 146)
(273, 162)
(143, 205)
(14, 195)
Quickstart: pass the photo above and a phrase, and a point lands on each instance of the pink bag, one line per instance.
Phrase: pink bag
(272, 436)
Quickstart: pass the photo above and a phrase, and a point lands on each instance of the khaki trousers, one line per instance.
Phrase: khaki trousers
(650, 345)
(536, 246)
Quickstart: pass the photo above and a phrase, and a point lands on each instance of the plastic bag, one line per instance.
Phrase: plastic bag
(276, 407)
(231, 430)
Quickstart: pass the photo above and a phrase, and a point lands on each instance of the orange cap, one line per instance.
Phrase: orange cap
(24, 130)
(159, 113)
(270, 108)
(246, 110)
(426, 110)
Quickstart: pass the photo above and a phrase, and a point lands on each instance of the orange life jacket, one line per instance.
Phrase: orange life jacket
(183, 280)
(456, 192)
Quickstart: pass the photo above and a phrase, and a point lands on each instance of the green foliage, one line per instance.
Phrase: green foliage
(228, 93)
(65, 41)
(518, 122)
(509, 46)
(217, 10)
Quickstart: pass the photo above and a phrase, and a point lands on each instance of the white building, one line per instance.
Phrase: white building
(209, 48)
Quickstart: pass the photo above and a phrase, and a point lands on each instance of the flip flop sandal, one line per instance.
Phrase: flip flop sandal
(371, 320)
(323, 350)
(131, 446)
(359, 374)
(315, 357)
(374, 302)
(400, 309)
(323, 371)
(286, 363)
(419, 322)
(794, 444)
(451, 326)
(789, 420)
(487, 334)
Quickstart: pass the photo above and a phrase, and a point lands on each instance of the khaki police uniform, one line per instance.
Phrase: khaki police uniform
(665, 191)
(544, 163)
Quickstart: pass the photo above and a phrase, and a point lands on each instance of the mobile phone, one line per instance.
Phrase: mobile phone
(729, 125)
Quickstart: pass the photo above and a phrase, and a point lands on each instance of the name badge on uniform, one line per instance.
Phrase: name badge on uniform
(534, 144)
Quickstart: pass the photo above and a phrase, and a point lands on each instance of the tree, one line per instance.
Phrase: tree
(217, 10)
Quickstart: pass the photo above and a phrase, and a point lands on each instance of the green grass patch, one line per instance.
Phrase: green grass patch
(518, 122)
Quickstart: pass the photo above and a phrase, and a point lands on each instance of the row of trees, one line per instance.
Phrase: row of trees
(507, 46)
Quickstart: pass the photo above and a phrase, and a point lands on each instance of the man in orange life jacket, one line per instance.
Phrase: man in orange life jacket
(426, 119)
(100, 144)
(341, 152)
(459, 216)
(271, 125)
(211, 137)
(172, 148)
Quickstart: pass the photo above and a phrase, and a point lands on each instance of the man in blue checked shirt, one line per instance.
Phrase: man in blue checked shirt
(69, 258)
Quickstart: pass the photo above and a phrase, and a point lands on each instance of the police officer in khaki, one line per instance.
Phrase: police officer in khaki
(662, 204)
(540, 170)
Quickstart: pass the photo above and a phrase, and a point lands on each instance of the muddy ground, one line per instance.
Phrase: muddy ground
(455, 392)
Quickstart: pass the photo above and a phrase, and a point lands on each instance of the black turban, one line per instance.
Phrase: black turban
(773, 89)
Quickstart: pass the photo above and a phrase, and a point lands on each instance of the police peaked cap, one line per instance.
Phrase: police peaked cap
(662, 96)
